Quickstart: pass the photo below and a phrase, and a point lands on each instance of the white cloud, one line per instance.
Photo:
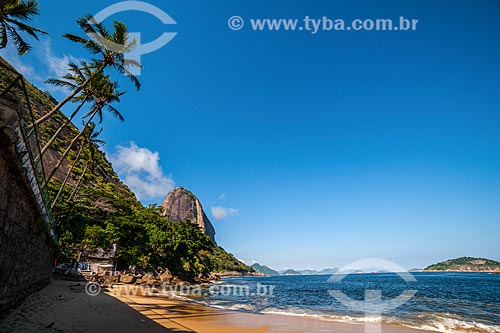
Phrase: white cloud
(222, 196)
(40, 64)
(10, 54)
(57, 65)
(222, 213)
(140, 170)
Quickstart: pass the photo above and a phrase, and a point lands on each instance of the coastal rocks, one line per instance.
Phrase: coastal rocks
(127, 279)
(180, 205)
(166, 276)
(150, 280)
(144, 280)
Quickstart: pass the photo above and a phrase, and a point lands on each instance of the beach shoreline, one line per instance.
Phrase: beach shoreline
(64, 306)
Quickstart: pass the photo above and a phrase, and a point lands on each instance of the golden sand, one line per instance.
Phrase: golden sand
(65, 307)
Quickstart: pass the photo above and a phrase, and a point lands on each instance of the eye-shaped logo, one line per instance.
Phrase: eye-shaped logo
(372, 306)
(139, 49)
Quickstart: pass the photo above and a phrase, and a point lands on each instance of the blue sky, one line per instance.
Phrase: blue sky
(312, 150)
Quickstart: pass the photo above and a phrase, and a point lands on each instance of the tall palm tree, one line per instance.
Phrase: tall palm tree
(111, 49)
(75, 77)
(106, 93)
(92, 149)
(90, 138)
(12, 15)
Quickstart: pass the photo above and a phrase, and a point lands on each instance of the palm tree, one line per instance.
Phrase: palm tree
(90, 160)
(111, 49)
(106, 93)
(89, 138)
(72, 80)
(12, 15)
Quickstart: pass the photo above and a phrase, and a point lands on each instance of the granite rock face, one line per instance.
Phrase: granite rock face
(181, 205)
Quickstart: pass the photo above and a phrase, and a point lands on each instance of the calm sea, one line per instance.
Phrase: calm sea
(445, 302)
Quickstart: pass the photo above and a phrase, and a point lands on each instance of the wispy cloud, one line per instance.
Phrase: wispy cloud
(40, 64)
(57, 65)
(221, 196)
(23, 67)
(222, 213)
(141, 171)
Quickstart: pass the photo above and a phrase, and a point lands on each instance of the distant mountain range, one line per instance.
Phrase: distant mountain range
(463, 264)
(263, 269)
(324, 271)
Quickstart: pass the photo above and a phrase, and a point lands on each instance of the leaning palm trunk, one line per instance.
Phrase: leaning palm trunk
(59, 130)
(71, 145)
(68, 98)
(79, 180)
(67, 176)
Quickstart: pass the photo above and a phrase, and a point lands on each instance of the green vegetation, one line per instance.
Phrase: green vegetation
(222, 261)
(466, 264)
(89, 137)
(146, 240)
(112, 57)
(13, 14)
(92, 207)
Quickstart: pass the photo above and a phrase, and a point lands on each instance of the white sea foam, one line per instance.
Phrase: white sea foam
(438, 323)
(447, 324)
(297, 312)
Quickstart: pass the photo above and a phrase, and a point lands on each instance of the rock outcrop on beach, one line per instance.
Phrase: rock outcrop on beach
(180, 205)
(466, 264)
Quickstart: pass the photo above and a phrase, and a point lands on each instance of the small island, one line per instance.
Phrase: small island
(466, 264)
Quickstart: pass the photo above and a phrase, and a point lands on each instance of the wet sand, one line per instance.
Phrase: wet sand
(64, 306)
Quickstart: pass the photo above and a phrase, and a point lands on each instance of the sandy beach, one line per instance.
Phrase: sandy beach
(63, 306)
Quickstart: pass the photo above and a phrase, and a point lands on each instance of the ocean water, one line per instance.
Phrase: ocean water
(444, 302)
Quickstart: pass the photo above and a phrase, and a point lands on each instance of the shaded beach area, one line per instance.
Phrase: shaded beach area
(64, 306)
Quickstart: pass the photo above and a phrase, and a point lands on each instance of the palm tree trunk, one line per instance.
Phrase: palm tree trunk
(59, 130)
(67, 176)
(79, 180)
(68, 98)
(66, 152)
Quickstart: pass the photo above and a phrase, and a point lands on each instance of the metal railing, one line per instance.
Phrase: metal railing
(28, 145)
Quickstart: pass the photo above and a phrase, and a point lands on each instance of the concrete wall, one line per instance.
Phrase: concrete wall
(25, 251)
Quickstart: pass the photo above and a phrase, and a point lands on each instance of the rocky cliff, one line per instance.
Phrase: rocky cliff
(180, 205)
(104, 178)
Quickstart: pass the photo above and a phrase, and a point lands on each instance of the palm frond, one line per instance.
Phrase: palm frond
(3, 36)
(21, 46)
(22, 10)
(89, 44)
(115, 112)
(61, 83)
(32, 31)
(120, 34)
